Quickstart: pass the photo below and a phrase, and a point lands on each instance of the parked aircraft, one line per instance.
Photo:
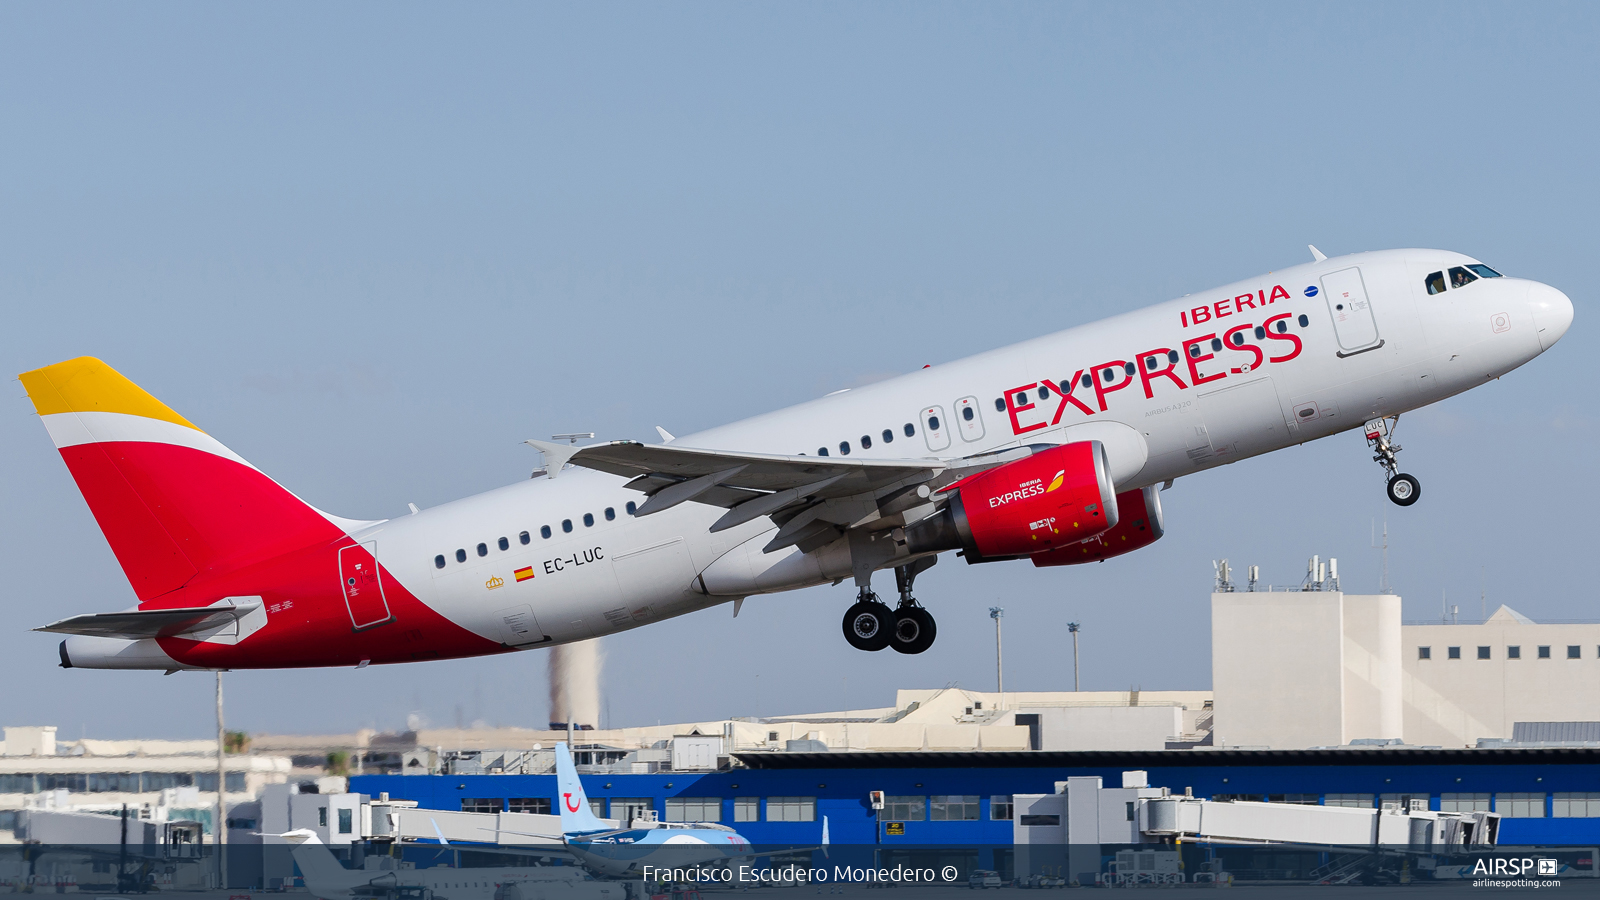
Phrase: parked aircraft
(642, 849)
(1051, 450)
(327, 879)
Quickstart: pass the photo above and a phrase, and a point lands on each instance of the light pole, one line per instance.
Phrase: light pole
(1073, 627)
(995, 613)
(221, 822)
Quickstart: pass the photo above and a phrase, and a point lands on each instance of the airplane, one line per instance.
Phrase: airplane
(327, 879)
(652, 851)
(1052, 450)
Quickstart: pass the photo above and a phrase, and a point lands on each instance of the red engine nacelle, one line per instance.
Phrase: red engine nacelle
(1138, 525)
(1051, 499)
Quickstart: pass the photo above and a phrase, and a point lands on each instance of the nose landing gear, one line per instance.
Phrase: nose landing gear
(869, 624)
(1403, 489)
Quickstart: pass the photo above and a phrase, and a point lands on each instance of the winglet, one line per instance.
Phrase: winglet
(555, 455)
(666, 436)
(1316, 255)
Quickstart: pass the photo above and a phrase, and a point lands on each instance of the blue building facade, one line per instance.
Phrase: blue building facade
(1546, 796)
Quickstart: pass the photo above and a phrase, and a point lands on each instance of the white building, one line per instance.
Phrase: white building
(1297, 669)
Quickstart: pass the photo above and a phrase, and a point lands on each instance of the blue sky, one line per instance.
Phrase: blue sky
(371, 247)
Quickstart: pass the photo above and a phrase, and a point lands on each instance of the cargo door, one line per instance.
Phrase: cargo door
(935, 430)
(1353, 323)
(1244, 420)
(363, 586)
(519, 627)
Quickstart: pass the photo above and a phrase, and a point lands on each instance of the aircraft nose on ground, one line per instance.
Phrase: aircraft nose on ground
(1552, 313)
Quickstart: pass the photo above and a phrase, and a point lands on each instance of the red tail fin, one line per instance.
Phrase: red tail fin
(173, 502)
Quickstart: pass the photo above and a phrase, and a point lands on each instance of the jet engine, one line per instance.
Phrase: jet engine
(1054, 498)
(1138, 525)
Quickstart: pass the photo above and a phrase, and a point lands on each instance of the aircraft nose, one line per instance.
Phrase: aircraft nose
(1552, 313)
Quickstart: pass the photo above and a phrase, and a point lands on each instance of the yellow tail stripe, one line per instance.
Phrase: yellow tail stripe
(86, 384)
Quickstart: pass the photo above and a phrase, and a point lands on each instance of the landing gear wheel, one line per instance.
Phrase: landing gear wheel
(1404, 490)
(914, 630)
(869, 625)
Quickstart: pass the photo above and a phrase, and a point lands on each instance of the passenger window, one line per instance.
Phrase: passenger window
(611, 514)
(524, 537)
(483, 549)
(866, 442)
(888, 436)
(1149, 363)
(1435, 283)
(1305, 321)
(1172, 357)
(911, 430)
(1216, 344)
(1088, 381)
(1283, 326)
(566, 526)
(1128, 367)
(966, 413)
(1044, 390)
(461, 556)
(544, 532)
(822, 451)
(1022, 399)
(999, 404)
(933, 423)
(844, 448)
(1483, 270)
(438, 561)
(1261, 333)
(505, 544)
(1238, 339)
(631, 507)
(1109, 375)
(1460, 277)
(588, 520)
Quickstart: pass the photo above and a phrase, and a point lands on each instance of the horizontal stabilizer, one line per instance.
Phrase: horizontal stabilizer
(153, 623)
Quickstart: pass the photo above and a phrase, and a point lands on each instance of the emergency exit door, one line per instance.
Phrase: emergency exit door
(363, 586)
(1351, 309)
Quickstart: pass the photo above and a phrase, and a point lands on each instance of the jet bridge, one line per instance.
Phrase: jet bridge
(1071, 825)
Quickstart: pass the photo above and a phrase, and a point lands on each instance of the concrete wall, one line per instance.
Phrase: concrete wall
(1108, 727)
(1373, 700)
(1277, 669)
(1454, 702)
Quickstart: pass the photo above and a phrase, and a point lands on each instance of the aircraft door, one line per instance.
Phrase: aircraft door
(1244, 419)
(1348, 304)
(935, 430)
(969, 419)
(363, 586)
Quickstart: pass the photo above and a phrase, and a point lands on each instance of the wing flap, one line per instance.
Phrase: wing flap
(758, 471)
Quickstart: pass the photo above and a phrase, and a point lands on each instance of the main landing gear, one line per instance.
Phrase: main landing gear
(870, 624)
(1404, 489)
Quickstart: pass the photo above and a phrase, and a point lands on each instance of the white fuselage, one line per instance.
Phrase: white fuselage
(620, 572)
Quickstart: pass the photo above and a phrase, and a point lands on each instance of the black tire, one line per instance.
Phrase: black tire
(1404, 490)
(914, 630)
(868, 625)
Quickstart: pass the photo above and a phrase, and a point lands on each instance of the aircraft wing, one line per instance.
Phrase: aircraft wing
(806, 495)
(150, 623)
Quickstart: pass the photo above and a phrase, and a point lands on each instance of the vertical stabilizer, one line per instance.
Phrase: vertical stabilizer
(325, 877)
(576, 816)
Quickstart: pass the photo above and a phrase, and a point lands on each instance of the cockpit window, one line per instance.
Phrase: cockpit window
(1460, 277)
(1436, 283)
(1483, 271)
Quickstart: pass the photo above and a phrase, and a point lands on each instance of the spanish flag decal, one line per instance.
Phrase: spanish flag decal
(523, 574)
(1056, 482)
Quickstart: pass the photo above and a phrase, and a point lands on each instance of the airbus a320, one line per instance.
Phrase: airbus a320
(1052, 450)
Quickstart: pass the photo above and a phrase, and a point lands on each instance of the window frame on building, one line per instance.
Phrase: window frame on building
(1465, 801)
(1520, 804)
(904, 808)
(791, 809)
(954, 808)
(693, 809)
(747, 809)
(999, 802)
